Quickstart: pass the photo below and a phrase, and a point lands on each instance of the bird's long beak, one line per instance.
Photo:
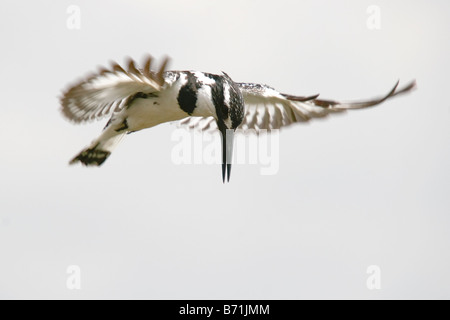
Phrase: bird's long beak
(227, 153)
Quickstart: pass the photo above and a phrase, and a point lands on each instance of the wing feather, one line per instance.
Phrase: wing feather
(108, 90)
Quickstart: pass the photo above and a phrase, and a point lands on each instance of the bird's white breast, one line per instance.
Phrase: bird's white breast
(165, 107)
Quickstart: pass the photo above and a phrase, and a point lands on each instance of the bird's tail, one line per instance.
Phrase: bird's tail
(98, 151)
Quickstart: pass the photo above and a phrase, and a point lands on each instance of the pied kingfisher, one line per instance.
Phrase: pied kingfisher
(141, 98)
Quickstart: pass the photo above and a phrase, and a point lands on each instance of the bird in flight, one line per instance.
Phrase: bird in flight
(139, 98)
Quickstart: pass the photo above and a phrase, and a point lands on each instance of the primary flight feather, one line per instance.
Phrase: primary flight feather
(136, 99)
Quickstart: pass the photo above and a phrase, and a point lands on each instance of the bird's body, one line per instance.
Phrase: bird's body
(140, 99)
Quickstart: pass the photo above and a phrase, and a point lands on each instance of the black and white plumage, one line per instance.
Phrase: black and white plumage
(141, 98)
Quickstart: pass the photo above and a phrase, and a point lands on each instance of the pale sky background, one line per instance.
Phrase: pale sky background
(367, 188)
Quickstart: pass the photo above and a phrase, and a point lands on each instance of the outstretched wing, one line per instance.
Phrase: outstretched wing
(266, 108)
(109, 90)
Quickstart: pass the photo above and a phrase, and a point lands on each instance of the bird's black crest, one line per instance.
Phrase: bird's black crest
(235, 110)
